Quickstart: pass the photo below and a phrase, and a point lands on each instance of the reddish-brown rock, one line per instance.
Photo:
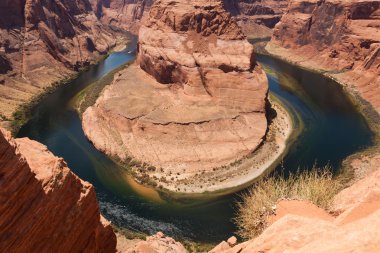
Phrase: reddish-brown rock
(124, 14)
(44, 206)
(338, 37)
(43, 42)
(195, 100)
(257, 17)
(158, 243)
(303, 227)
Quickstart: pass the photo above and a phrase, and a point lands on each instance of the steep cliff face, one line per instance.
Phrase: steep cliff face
(42, 42)
(339, 37)
(195, 100)
(44, 206)
(125, 14)
(201, 47)
(254, 16)
(251, 13)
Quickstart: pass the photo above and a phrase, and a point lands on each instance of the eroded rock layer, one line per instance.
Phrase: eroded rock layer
(125, 14)
(43, 42)
(338, 37)
(44, 206)
(195, 100)
(257, 17)
(302, 227)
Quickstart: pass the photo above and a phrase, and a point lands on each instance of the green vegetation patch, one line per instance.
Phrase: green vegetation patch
(88, 96)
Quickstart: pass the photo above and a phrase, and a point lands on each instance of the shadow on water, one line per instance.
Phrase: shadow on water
(333, 130)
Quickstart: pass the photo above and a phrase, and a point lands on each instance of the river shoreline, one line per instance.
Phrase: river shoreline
(365, 108)
(60, 129)
(245, 172)
(24, 111)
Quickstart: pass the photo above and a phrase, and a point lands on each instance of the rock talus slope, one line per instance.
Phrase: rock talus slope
(43, 42)
(195, 100)
(338, 37)
(44, 206)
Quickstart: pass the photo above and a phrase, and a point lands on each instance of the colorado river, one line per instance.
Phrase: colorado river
(332, 130)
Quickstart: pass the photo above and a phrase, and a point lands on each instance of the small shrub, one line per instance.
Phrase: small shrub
(317, 186)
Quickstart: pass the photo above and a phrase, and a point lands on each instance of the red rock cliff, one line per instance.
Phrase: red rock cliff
(125, 14)
(338, 37)
(43, 42)
(257, 17)
(45, 207)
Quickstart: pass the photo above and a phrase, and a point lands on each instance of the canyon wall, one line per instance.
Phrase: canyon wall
(257, 17)
(44, 206)
(194, 101)
(340, 38)
(43, 42)
(124, 14)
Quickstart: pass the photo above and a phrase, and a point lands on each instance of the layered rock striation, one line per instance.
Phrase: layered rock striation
(43, 42)
(257, 17)
(124, 14)
(194, 101)
(44, 206)
(254, 16)
(340, 38)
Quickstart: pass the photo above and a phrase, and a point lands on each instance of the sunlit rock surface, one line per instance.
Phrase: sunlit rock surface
(44, 206)
(194, 101)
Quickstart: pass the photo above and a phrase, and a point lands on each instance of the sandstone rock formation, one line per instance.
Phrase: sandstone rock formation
(124, 14)
(43, 42)
(44, 206)
(257, 17)
(198, 105)
(338, 37)
(158, 243)
(304, 228)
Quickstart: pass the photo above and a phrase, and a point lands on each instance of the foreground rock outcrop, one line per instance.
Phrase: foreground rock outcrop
(44, 206)
(194, 102)
(302, 227)
(158, 243)
(43, 42)
(340, 38)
